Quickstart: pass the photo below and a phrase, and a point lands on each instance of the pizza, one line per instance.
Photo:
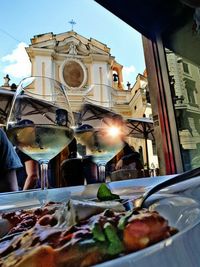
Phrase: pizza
(50, 237)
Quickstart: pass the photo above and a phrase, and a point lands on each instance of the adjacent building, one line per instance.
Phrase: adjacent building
(185, 90)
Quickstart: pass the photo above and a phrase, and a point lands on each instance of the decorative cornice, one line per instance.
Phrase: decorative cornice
(69, 43)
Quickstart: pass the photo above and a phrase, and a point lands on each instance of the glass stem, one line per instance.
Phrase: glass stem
(44, 174)
(102, 173)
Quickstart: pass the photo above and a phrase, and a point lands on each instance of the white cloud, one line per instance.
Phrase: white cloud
(18, 65)
(129, 70)
(129, 74)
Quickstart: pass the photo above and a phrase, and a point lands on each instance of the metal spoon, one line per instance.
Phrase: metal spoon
(139, 202)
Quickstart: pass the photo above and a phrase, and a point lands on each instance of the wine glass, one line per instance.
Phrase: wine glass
(40, 121)
(102, 131)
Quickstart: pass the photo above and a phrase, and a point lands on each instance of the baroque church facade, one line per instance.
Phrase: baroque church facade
(80, 63)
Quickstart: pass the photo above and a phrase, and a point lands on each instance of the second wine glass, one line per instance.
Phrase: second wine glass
(40, 121)
(102, 142)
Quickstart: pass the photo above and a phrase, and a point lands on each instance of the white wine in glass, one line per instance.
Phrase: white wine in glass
(102, 142)
(104, 133)
(40, 121)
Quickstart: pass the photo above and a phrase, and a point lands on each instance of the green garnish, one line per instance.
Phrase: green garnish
(123, 220)
(98, 232)
(105, 194)
(115, 244)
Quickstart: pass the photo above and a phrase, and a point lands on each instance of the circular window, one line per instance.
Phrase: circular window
(74, 73)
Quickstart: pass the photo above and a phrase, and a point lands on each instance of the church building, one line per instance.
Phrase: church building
(80, 64)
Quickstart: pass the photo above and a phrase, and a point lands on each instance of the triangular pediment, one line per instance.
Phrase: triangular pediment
(75, 46)
(70, 43)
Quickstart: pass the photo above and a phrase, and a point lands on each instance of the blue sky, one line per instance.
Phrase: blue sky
(20, 20)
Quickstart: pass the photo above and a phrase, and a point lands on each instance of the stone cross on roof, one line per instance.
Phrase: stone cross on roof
(72, 22)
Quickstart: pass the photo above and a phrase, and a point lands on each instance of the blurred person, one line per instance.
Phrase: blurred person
(129, 158)
(77, 169)
(90, 170)
(27, 176)
(9, 162)
(85, 138)
(72, 167)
